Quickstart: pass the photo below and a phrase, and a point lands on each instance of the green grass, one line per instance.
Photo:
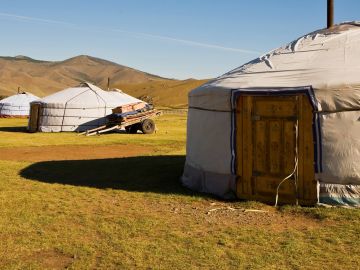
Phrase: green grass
(132, 213)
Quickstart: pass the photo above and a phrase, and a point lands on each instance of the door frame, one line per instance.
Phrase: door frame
(277, 91)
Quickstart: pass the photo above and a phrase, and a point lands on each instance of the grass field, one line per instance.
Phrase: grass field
(115, 202)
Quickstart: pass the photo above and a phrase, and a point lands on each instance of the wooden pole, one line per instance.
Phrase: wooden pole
(330, 13)
(108, 85)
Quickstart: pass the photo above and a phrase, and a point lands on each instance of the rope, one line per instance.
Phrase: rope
(295, 172)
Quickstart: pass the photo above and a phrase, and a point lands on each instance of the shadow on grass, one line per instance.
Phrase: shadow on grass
(13, 129)
(158, 174)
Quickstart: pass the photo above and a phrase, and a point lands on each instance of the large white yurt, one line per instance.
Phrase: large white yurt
(286, 124)
(76, 109)
(17, 105)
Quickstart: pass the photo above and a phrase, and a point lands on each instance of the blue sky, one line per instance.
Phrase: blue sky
(171, 38)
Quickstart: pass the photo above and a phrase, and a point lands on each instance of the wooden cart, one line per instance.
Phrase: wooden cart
(142, 120)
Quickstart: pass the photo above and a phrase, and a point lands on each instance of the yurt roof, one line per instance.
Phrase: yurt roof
(88, 95)
(324, 59)
(23, 98)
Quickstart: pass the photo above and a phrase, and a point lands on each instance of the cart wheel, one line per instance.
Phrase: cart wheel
(132, 129)
(148, 126)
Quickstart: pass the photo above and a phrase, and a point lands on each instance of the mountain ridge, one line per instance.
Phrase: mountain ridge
(42, 77)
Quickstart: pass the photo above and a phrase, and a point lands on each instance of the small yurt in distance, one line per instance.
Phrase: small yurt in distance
(17, 105)
(76, 109)
(286, 123)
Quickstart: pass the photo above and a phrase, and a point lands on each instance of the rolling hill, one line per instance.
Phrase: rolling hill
(169, 93)
(45, 77)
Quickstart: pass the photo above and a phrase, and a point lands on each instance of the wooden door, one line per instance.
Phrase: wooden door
(266, 148)
(34, 117)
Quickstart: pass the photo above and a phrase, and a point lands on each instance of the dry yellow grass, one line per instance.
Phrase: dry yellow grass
(132, 212)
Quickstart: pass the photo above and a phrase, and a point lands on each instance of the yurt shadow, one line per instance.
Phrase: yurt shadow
(158, 174)
(94, 124)
(13, 129)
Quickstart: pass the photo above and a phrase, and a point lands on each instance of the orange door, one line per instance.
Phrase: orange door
(266, 148)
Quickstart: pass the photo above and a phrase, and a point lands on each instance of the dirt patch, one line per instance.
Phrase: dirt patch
(71, 152)
(267, 217)
(52, 259)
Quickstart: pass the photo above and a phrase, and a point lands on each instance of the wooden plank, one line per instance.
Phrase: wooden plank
(247, 145)
(129, 107)
(138, 115)
(239, 145)
(126, 121)
(310, 192)
(274, 146)
(260, 146)
(289, 147)
(99, 131)
(279, 107)
(92, 130)
(267, 185)
(301, 127)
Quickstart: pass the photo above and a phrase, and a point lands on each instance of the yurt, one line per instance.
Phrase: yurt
(17, 105)
(75, 109)
(284, 126)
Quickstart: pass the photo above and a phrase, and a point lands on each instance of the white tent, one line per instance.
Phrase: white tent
(17, 105)
(76, 109)
(239, 124)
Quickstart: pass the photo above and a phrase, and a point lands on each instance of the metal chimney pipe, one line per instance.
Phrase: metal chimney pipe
(330, 13)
